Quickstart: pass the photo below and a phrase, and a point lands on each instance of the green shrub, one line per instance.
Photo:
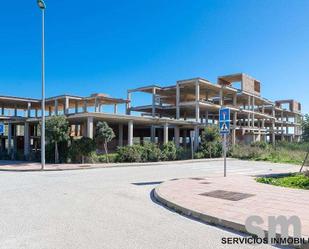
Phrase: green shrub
(199, 155)
(151, 152)
(300, 181)
(113, 158)
(50, 153)
(130, 153)
(169, 152)
(260, 144)
(81, 149)
(183, 154)
(101, 158)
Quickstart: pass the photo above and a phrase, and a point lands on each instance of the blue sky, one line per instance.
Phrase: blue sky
(109, 46)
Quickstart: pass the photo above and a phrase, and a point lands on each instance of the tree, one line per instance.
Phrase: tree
(211, 142)
(82, 148)
(305, 127)
(57, 130)
(104, 134)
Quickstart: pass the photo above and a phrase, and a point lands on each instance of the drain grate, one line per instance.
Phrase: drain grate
(204, 182)
(227, 195)
(197, 178)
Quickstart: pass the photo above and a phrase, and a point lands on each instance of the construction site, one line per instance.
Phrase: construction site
(172, 113)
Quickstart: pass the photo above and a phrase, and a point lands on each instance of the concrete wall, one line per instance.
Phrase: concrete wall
(250, 85)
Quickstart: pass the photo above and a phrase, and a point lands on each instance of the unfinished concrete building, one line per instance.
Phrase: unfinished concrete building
(173, 113)
(253, 118)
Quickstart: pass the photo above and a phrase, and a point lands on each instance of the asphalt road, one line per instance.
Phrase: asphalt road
(106, 208)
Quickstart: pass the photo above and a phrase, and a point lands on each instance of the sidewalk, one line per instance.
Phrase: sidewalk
(16, 166)
(205, 199)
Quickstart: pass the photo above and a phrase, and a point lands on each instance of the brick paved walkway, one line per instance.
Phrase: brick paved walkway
(258, 199)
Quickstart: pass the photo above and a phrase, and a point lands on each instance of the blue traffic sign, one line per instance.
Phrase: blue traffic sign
(224, 120)
(1, 128)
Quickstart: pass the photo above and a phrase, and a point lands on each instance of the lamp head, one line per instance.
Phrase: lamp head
(41, 4)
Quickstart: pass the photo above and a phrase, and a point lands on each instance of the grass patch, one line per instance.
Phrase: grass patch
(283, 152)
(299, 181)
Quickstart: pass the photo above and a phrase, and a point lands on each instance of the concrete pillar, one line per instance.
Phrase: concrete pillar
(165, 133)
(120, 134)
(28, 110)
(128, 111)
(153, 107)
(235, 99)
(85, 105)
(295, 133)
(282, 136)
(96, 105)
(14, 141)
(26, 141)
(153, 134)
(263, 119)
(177, 101)
(234, 128)
(76, 106)
(2, 110)
(184, 138)
(196, 137)
(90, 127)
(15, 112)
(221, 97)
(273, 135)
(130, 133)
(115, 108)
(9, 138)
(249, 107)
(66, 106)
(56, 107)
(176, 136)
(252, 109)
(206, 117)
(84, 129)
(197, 99)
(49, 111)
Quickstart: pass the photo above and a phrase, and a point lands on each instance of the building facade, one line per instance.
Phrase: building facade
(174, 111)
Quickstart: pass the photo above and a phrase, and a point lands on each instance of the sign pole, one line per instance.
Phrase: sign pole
(191, 142)
(224, 153)
(304, 162)
(224, 124)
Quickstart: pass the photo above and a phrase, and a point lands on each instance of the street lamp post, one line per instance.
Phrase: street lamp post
(42, 6)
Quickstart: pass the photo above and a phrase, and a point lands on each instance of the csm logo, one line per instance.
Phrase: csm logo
(253, 226)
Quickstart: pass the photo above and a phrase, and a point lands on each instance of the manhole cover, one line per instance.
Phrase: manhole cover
(204, 182)
(227, 195)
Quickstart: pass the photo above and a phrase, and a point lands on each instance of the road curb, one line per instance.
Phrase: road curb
(197, 215)
(212, 220)
(113, 165)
